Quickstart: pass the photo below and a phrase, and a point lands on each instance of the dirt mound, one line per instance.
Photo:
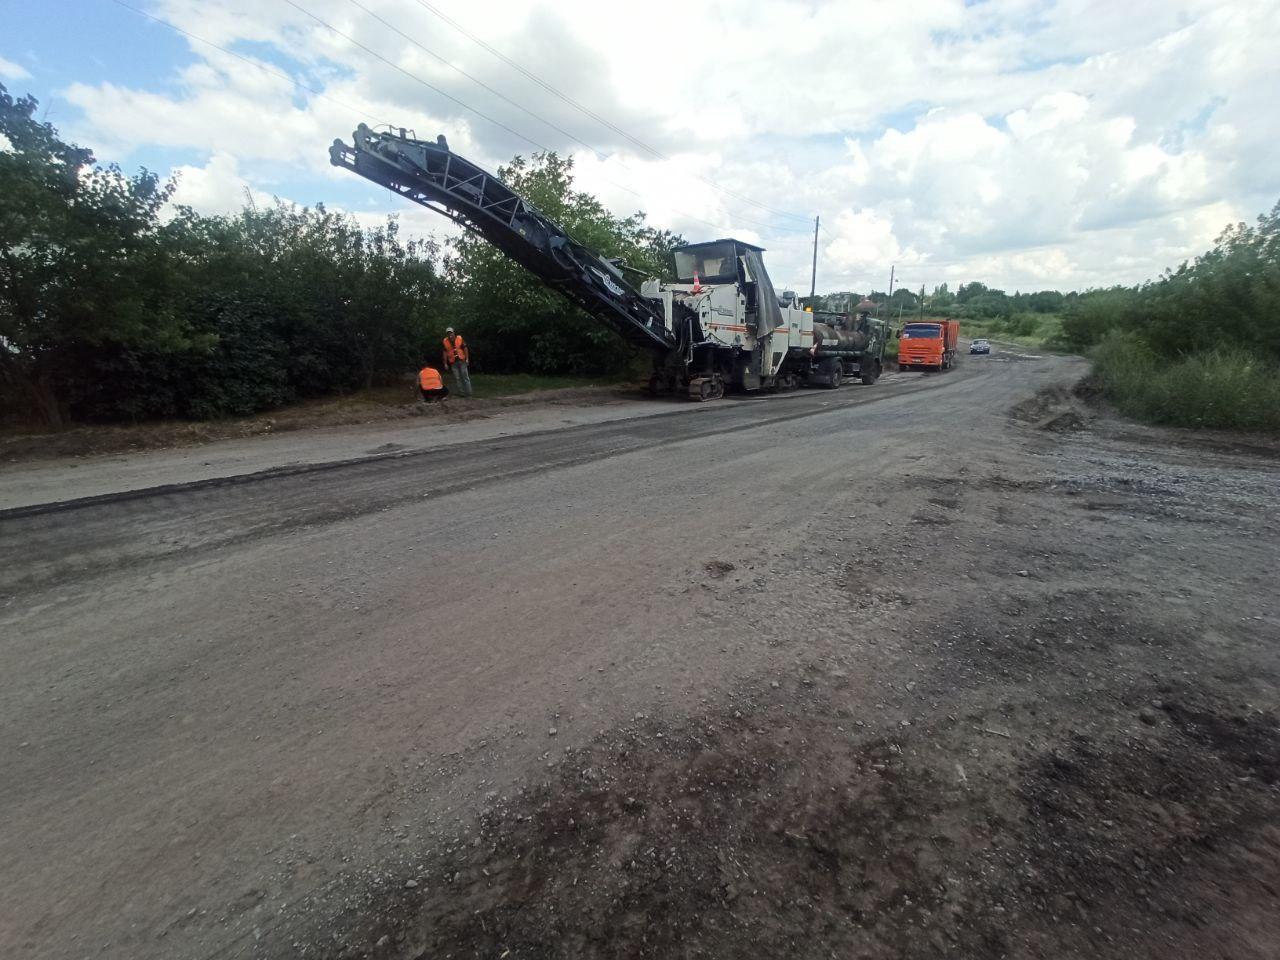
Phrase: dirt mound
(719, 569)
(1068, 421)
(1057, 409)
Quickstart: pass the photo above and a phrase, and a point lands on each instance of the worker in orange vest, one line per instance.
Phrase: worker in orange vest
(431, 384)
(456, 358)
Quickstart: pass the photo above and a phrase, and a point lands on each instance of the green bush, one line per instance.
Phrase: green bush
(1228, 296)
(1219, 387)
(1032, 329)
(513, 321)
(111, 310)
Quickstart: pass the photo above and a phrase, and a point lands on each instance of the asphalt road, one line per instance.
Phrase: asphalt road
(224, 699)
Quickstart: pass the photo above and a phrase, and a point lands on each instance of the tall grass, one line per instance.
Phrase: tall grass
(1039, 330)
(1029, 329)
(1221, 387)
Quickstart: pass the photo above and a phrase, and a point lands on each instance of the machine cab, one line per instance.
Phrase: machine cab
(725, 263)
(714, 262)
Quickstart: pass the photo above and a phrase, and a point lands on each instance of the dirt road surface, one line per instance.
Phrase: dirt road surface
(36, 480)
(940, 667)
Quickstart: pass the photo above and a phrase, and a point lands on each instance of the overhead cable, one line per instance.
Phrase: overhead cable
(654, 151)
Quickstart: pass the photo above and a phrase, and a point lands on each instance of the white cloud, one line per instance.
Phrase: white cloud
(863, 242)
(1020, 142)
(13, 71)
(220, 187)
(215, 188)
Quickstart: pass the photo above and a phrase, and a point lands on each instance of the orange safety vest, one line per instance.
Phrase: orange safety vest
(429, 379)
(455, 351)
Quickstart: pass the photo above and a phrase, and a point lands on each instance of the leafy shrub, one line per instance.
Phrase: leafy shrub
(513, 322)
(1228, 296)
(1221, 387)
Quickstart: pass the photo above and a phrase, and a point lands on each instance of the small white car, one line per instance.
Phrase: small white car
(980, 346)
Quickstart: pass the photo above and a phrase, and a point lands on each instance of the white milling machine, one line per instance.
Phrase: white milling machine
(719, 326)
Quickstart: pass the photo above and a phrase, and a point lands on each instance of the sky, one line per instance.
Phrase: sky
(1027, 144)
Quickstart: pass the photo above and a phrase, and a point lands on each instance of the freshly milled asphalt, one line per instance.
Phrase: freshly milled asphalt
(219, 697)
(72, 538)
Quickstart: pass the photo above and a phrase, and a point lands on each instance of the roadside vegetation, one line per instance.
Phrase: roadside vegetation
(1221, 387)
(1200, 346)
(115, 306)
(1032, 319)
(1039, 330)
(1197, 347)
(118, 306)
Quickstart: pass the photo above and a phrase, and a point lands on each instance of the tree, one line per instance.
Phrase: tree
(513, 321)
(1045, 301)
(351, 305)
(968, 291)
(903, 299)
(78, 265)
(1228, 296)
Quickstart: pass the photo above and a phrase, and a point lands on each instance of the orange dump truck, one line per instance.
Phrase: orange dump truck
(928, 343)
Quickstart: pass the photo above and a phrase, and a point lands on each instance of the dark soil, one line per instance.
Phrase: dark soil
(778, 824)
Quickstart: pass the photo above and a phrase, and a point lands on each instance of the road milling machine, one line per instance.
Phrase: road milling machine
(720, 326)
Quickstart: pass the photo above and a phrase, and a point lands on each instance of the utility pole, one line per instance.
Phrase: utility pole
(887, 307)
(813, 279)
(922, 301)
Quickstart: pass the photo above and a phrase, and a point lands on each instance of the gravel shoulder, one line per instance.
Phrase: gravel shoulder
(29, 480)
(945, 672)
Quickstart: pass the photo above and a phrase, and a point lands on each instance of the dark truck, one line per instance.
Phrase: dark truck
(847, 345)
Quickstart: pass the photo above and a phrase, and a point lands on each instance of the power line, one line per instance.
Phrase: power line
(418, 79)
(541, 119)
(500, 95)
(381, 122)
(485, 116)
(253, 63)
(595, 116)
(538, 80)
(475, 80)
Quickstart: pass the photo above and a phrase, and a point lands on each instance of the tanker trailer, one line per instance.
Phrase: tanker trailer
(845, 346)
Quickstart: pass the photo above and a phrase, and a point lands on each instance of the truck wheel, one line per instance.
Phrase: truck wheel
(870, 376)
(829, 373)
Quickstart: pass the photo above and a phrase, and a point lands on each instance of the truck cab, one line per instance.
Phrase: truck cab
(928, 344)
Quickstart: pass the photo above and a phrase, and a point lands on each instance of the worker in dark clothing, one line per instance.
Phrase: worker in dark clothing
(457, 358)
(431, 384)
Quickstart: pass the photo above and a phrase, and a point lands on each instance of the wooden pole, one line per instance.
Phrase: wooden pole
(813, 279)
